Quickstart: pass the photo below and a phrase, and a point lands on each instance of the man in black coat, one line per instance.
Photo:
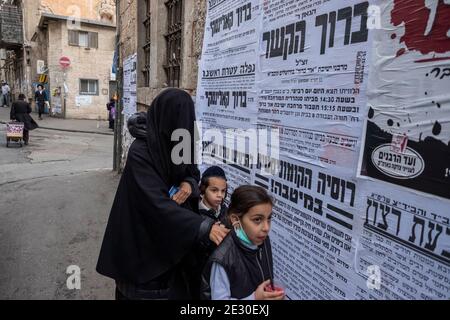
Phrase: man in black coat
(20, 111)
(41, 98)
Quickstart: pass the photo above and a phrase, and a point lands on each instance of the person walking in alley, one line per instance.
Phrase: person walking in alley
(151, 235)
(111, 106)
(20, 111)
(41, 99)
(5, 94)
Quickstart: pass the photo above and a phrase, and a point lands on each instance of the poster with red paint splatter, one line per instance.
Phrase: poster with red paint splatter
(407, 133)
(335, 236)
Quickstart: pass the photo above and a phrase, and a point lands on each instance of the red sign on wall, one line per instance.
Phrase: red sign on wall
(64, 62)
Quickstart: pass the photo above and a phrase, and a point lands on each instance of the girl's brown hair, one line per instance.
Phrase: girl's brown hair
(246, 197)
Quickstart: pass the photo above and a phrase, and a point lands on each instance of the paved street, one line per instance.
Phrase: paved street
(55, 196)
(67, 125)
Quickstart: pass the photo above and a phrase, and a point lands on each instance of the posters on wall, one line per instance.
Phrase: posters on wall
(227, 80)
(407, 137)
(405, 155)
(129, 101)
(313, 60)
(313, 70)
(129, 85)
(308, 71)
(56, 105)
(405, 243)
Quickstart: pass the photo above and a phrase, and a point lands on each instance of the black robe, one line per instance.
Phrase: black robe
(20, 111)
(148, 234)
(41, 98)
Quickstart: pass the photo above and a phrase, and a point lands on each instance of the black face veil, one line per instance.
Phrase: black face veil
(171, 110)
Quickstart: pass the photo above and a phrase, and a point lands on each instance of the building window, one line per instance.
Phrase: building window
(173, 41)
(89, 87)
(146, 47)
(83, 39)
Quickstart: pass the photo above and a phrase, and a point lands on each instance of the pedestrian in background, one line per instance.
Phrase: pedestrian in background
(5, 94)
(41, 99)
(111, 106)
(20, 111)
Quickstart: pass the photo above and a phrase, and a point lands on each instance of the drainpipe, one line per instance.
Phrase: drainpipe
(118, 123)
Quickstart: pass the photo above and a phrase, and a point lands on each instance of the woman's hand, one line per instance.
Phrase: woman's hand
(218, 233)
(260, 294)
(183, 194)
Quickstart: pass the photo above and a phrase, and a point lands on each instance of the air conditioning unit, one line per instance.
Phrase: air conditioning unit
(2, 54)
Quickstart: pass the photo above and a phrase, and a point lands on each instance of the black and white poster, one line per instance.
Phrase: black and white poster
(404, 248)
(348, 105)
(314, 63)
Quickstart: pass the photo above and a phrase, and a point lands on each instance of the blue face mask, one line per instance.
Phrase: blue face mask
(243, 236)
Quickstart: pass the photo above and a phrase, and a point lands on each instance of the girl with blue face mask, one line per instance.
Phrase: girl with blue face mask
(241, 267)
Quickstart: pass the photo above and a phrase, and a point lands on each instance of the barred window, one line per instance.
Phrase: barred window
(146, 47)
(173, 41)
(89, 87)
(83, 39)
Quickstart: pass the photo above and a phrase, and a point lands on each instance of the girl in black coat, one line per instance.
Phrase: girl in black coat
(241, 268)
(149, 235)
(20, 111)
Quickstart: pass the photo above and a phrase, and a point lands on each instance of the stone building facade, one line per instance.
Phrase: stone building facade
(90, 48)
(83, 31)
(167, 36)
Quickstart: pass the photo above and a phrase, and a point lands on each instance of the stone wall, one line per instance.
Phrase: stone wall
(132, 40)
(199, 30)
(102, 10)
(85, 64)
(128, 28)
(193, 24)
(96, 63)
(11, 31)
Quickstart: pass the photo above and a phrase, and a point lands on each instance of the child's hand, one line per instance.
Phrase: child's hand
(260, 294)
(218, 233)
(181, 196)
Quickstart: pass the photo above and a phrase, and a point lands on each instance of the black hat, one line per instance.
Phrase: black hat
(214, 171)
